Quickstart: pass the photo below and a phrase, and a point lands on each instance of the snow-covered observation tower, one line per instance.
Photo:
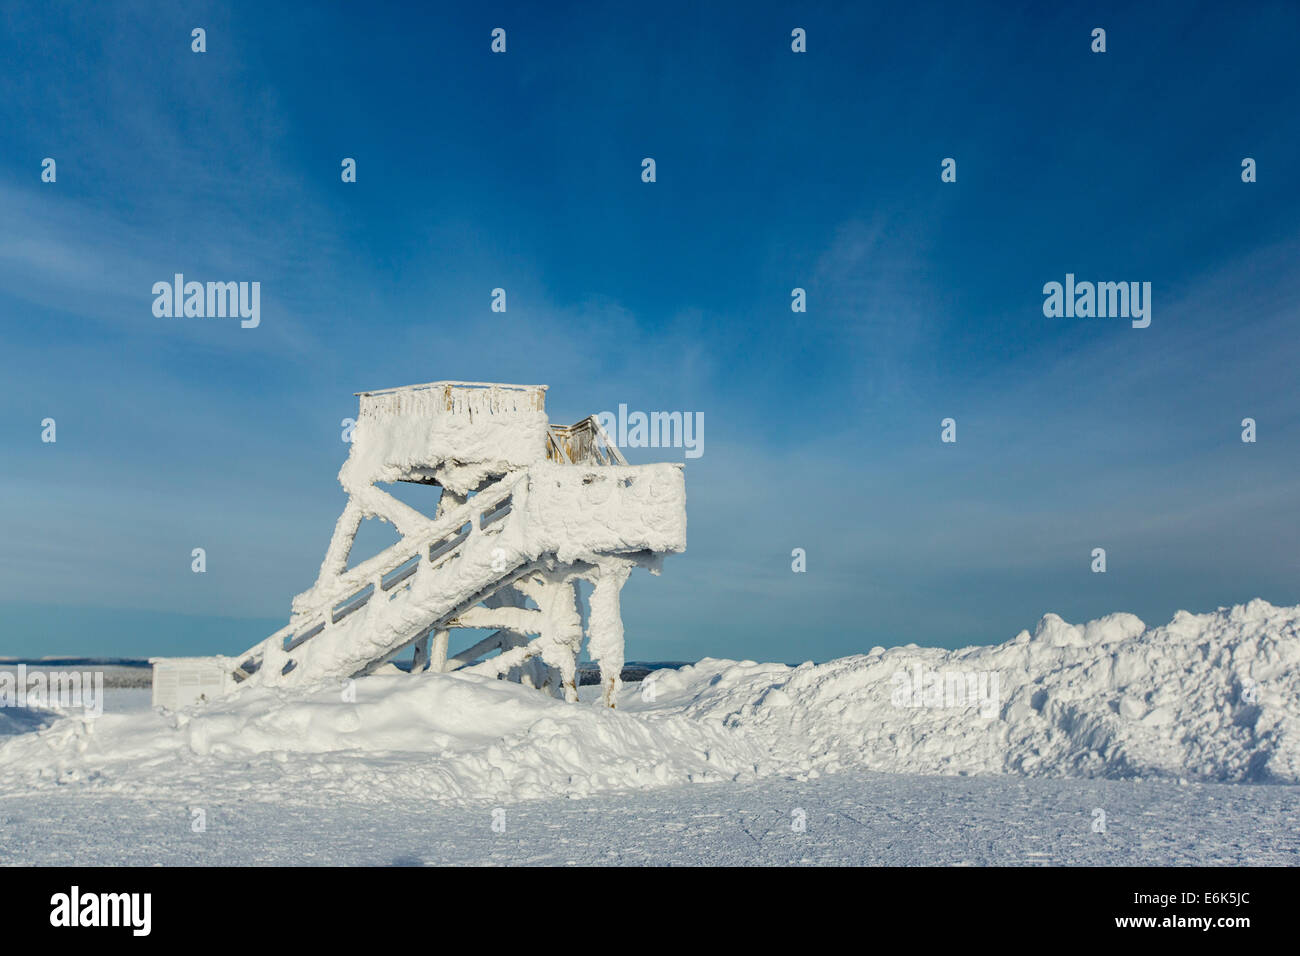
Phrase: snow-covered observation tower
(527, 510)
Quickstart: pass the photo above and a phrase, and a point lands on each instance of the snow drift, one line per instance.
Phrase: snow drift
(428, 735)
(1211, 697)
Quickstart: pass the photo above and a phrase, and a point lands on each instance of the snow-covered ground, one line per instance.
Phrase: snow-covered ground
(1104, 743)
(853, 817)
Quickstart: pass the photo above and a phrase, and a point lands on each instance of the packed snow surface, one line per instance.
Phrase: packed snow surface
(853, 818)
(1211, 697)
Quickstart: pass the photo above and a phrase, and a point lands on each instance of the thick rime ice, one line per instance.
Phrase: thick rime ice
(526, 511)
(455, 433)
(569, 513)
(1209, 697)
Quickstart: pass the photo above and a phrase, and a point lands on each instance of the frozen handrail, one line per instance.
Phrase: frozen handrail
(480, 385)
(314, 599)
(457, 397)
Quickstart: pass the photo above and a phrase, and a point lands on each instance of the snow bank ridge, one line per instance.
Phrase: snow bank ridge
(1210, 697)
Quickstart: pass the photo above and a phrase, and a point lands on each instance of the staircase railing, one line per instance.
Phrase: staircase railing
(321, 608)
(586, 443)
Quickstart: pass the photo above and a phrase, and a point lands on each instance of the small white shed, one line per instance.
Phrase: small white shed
(181, 681)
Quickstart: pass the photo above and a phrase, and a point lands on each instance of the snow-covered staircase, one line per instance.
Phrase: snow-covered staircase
(526, 512)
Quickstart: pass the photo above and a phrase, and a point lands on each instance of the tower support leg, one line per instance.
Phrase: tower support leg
(564, 637)
(605, 627)
(345, 530)
(421, 659)
(438, 651)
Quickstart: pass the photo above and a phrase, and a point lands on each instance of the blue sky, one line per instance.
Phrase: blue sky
(775, 170)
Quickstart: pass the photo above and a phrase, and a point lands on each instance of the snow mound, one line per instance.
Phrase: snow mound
(23, 720)
(1211, 697)
(436, 736)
